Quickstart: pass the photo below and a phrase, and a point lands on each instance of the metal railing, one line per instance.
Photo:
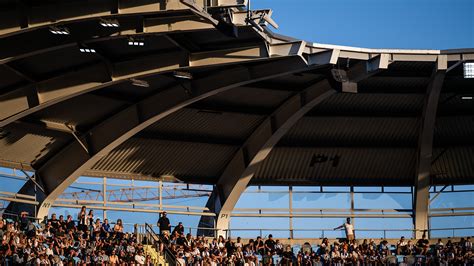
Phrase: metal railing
(155, 239)
(324, 232)
(331, 233)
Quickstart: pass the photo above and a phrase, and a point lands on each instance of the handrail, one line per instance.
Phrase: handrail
(170, 258)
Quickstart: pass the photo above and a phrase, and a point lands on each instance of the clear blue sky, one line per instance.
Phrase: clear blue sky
(424, 24)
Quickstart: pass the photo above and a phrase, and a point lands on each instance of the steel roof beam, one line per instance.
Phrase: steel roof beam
(425, 147)
(95, 77)
(242, 167)
(116, 9)
(68, 164)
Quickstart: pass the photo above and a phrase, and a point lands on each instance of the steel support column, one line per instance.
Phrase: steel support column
(68, 164)
(425, 148)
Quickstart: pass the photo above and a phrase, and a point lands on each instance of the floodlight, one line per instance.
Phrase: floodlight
(87, 50)
(109, 23)
(59, 30)
(136, 42)
(469, 70)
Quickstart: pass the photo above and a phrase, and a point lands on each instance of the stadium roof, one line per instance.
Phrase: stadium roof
(172, 89)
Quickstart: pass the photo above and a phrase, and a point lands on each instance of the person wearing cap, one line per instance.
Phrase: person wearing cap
(164, 223)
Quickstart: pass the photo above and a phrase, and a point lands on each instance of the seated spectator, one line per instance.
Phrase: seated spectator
(402, 246)
(179, 228)
(270, 243)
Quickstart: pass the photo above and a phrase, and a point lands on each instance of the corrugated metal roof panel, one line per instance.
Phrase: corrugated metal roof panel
(453, 165)
(206, 125)
(29, 144)
(160, 157)
(338, 166)
(373, 104)
(80, 112)
(248, 98)
(353, 131)
(394, 84)
(457, 130)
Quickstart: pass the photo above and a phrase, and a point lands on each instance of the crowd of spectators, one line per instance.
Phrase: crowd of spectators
(88, 240)
(190, 250)
(65, 241)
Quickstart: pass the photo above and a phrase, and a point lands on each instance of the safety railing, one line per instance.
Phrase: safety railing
(298, 233)
(362, 232)
(155, 239)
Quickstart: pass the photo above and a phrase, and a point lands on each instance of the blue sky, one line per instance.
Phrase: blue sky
(421, 24)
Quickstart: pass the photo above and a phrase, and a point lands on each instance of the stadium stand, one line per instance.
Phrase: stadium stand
(59, 241)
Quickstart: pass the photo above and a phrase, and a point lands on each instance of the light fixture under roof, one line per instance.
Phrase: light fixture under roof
(109, 23)
(182, 75)
(140, 83)
(59, 30)
(87, 50)
(136, 42)
(469, 70)
(466, 97)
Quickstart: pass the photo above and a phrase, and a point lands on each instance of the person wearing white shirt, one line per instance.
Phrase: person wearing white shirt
(349, 228)
(139, 258)
(402, 246)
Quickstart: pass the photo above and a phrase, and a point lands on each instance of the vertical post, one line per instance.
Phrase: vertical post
(425, 148)
(290, 205)
(352, 208)
(160, 191)
(104, 197)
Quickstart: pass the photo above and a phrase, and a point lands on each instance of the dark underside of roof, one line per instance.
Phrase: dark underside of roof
(366, 138)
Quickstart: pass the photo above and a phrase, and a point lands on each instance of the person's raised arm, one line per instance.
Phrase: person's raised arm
(339, 227)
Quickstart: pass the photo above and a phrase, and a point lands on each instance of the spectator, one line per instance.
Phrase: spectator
(270, 243)
(402, 246)
(139, 258)
(179, 228)
(348, 228)
(164, 223)
(105, 228)
(81, 217)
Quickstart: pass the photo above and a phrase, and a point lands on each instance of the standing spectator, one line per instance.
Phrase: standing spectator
(349, 229)
(164, 223)
(82, 219)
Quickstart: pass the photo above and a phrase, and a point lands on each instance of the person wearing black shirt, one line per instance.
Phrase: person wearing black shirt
(70, 223)
(23, 220)
(62, 222)
(270, 243)
(54, 222)
(181, 240)
(179, 228)
(260, 246)
(287, 256)
(164, 223)
(230, 246)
